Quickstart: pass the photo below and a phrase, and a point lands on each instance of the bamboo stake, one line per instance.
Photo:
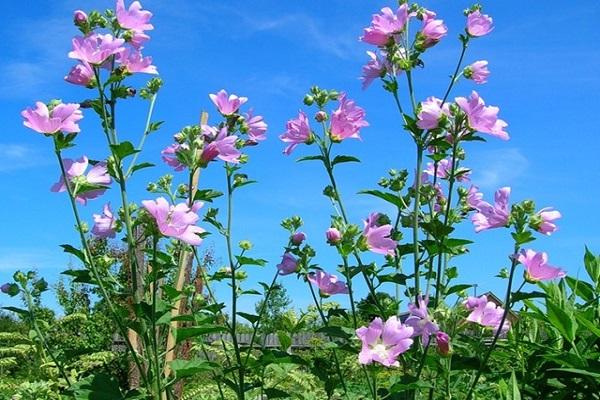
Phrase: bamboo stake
(186, 259)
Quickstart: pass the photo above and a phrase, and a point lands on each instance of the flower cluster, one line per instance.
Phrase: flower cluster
(196, 146)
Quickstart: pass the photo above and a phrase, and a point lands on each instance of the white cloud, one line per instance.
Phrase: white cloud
(17, 156)
(498, 167)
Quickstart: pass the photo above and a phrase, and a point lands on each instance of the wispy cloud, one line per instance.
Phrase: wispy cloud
(301, 27)
(498, 167)
(17, 156)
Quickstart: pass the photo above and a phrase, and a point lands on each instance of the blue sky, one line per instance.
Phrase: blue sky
(544, 63)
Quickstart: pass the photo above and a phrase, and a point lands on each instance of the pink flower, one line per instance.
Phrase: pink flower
(488, 216)
(375, 68)
(474, 197)
(385, 25)
(548, 216)
(134, 18)
(333, 236)
(256, 127)
(328, 284)
(347, 120)
(227, 105)
(442, 340)
(383, 343)
(537, 267)
(481, 118)
(169, 156)
(178, 221)
(288, 264)
(444, 169)
(221, 146)
(431, 113)
(378, 236)
(81, 74)
(79, 17)
(479, 24)
(297, 131)
(478, 71)
(104, 224)
(420, 320)
(62, 118)
(95, 48)
(433, 30)
(485, 313)
(133, 61)
(298, 238)
(75, 170)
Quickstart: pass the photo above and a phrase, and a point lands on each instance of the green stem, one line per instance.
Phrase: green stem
(499, 330)
(333, 351)
(465, 44)
(40, 335)
(95, 272)
(238, 357)
(260, 315)
(153, 333)
(144, 136)
(415, 227)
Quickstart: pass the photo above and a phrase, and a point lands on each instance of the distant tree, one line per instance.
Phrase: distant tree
(367, 308)
(277, 304)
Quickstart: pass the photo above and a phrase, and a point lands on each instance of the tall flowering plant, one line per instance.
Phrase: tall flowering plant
(411, 351)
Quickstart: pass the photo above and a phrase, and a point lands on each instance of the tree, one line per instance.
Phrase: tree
(277, 304)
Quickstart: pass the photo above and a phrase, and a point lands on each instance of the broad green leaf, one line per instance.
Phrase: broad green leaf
(310, 158)
(562, 321)
(123, 149)
(251, 261)
(457, 288)
(207, 195)
(139, 166)
(344, 159)
(184, 368)
(252, 318)
(97, 387)
(182, 334)
(389, 197)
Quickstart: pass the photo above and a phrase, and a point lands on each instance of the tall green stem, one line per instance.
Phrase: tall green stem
(499, 330)
(95, 272)
(234, 294)
(41, 336)
(415, 227)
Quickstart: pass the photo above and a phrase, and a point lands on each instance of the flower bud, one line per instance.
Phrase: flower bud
(333, 236)
(245, 245)
(79, 17)
(152, 187)
(321, 116)
(309, 100)
(4, 288)
(443, 343)
(298, 238)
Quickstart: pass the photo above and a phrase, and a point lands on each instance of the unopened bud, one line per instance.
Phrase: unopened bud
(298, 238)
(79, 17)
(333, 236)
(321, 116)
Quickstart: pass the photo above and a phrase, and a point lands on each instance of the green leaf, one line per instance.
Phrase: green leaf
(343, 159)
(182, 334)
(389, 197)
(336, 331)
(581, 288)
(141, 166)
(394, 278)
(592, 266)
(522, 237)
(183, 368)
(562, 321)
(154, 126)
(519, 296)
(592, 327)
(516, 394)
(252, 318)
(457, 288)
(207, 195)
(80, 276)
(576, 372)
(285, 341)
(251, 261)
(123, 150)
(72, 250)
(17, 310)
(310, 158)
(97, 387)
